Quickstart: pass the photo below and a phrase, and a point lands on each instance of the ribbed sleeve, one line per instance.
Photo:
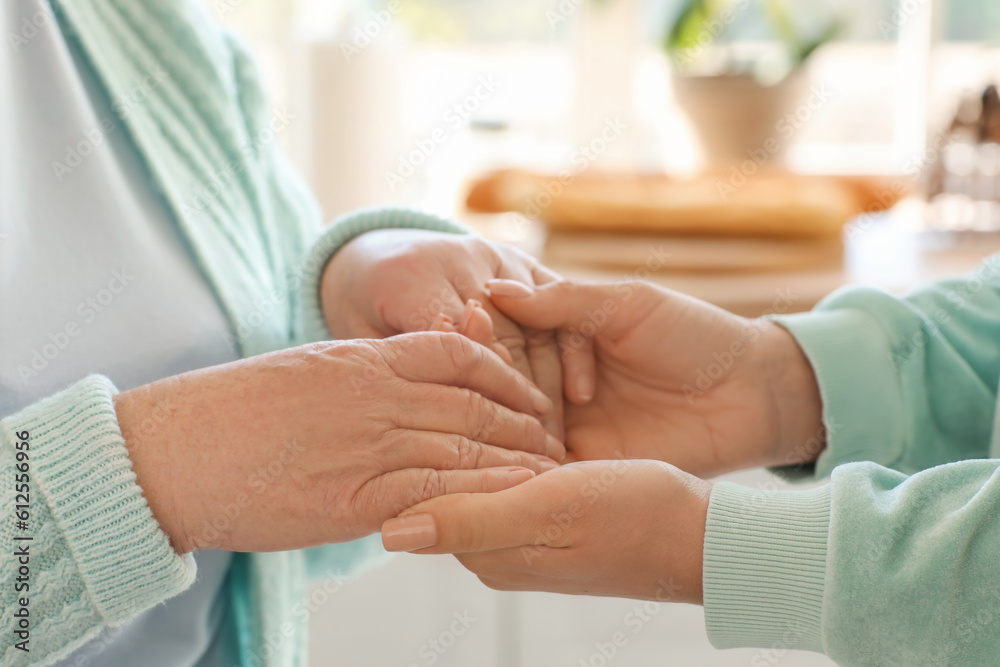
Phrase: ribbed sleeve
(340, 232)
(98, 555)
(863, 407)
(765, 566)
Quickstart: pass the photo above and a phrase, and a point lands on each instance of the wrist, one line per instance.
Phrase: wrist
(144, 419)
(791, 384)
(337, 280)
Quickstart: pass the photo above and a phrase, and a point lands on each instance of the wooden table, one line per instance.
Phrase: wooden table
(888, 251)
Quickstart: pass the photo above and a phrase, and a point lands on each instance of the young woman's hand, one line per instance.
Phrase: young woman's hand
(617, 528)
(396, 281)
(324, 442)
(677, 380)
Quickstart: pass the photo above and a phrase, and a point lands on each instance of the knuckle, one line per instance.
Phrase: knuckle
(432, 485)
(481, 420)
(468, 454)
(458, 349)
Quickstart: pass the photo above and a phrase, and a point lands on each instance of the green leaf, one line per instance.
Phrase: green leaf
(689, 25)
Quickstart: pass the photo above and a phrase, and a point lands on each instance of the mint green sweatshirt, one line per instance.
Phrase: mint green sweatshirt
(897, 560)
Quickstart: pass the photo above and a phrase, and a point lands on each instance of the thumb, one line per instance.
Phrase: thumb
(587, 307)
(463, 523)
(579, 311)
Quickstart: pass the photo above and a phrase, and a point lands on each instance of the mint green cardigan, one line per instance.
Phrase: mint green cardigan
(895, 562)
(98, 557)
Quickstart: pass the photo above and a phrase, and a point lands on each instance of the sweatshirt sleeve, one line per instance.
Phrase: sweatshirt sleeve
(875, 568)
(894, 561)
(907, 383)
(339, 233)
(81, 548)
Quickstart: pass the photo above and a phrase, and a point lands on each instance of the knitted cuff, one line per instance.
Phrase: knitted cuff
(764, 567)
(82, 469)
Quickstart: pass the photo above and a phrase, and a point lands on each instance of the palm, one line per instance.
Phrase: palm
(649, 403)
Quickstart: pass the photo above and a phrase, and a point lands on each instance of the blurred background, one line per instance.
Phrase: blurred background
(754, 153)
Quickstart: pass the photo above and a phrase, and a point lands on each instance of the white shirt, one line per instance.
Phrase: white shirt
(95, 278)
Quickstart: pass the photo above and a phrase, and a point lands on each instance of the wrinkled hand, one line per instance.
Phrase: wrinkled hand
(396, 281)
(323, 442)
(616, 528)
(677, 380)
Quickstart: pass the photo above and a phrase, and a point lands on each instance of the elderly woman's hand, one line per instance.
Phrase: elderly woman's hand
(617, 528)
(389, 282)
(324, 442)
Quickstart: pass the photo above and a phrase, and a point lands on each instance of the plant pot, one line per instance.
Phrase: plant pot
(736, 117)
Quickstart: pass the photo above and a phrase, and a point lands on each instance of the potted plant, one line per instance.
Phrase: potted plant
(735, 97)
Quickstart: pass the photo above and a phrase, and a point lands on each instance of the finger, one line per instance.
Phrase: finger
(443, 323)
(540, 349)
(579, 367)
(466, 523)
(476, 323)
(589, 308)
(401, 489)
(501, 350)
(543, 355)
(447, 451)
(452, 359)
(511, 337)
(443, 409)
(579, 311)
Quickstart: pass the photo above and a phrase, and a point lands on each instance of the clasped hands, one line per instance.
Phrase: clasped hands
(446, 419)
(661, 391)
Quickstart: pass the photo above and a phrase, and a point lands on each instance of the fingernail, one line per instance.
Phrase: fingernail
(516, 476)
(409, 533)
(556, 449)
(540, 402)
(509, 288)
(584, 388)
